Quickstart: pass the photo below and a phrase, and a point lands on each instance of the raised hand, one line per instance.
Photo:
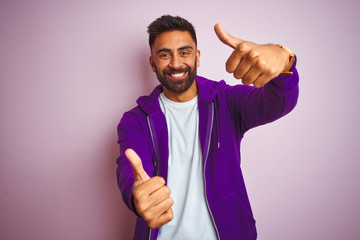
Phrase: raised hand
(151, 197)
(253, 63)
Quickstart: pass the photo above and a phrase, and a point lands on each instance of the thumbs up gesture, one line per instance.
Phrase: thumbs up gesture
(254, 64)
(151, 197)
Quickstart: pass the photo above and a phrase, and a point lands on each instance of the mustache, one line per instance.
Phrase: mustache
(173, 70)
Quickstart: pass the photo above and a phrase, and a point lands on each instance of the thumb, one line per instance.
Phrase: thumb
(135, 161)
(225, 37)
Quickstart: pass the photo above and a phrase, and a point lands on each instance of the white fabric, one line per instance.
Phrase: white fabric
(192, 219)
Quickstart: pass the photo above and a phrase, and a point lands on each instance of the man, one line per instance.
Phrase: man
(179, 165)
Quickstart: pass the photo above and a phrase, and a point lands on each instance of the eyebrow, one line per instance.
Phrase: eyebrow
(185, 47)
(168, 50)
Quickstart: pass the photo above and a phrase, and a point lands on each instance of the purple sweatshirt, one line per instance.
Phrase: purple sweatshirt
(225, 114)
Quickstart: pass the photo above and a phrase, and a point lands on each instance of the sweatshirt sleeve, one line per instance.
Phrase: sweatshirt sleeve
(131, 135)
(251, 107)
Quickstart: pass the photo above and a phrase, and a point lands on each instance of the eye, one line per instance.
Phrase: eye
(185, 53)
(164, 55)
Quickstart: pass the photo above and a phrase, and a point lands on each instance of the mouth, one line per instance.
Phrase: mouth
(177, 75)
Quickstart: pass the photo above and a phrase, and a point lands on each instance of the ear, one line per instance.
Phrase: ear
(152, 63)
(198, 58)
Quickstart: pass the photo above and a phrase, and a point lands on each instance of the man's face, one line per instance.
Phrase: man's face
(174, 59)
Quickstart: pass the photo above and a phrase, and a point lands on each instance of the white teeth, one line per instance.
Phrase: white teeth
(178, 74)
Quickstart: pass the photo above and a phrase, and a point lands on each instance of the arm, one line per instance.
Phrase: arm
(251, 107)
(131, 135)
(148, 197)
(271, 70)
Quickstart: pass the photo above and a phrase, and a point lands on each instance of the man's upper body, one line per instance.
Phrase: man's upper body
(225, 113)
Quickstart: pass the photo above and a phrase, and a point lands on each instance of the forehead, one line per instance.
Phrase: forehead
(173, 40)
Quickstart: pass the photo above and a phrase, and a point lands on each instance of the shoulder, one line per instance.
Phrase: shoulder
(132, 116)
(208, 89)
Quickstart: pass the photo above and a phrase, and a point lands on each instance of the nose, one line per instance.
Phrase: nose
(175, 62)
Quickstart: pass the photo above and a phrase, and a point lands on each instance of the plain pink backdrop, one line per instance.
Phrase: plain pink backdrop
(69, 70)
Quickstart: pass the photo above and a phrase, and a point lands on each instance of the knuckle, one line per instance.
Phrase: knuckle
(228, 67)
(159, 180)
(141, 209)
(152, 224)
(253, 54)
(148, 217)
(167, 190)
(171, 201)
(272, 70)
(242, 47)
(245, 81)
(261, 64)
(170, 215)
(237, 75)
(137, 196)
(257, 85)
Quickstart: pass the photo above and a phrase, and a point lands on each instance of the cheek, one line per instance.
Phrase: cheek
(161, 65)
(192, 63)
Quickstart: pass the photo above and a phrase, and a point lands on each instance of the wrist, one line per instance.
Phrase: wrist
(286, 71)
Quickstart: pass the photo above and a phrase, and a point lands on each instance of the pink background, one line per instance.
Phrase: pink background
(69, 70)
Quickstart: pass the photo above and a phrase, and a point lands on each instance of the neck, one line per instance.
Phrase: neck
(186, 96)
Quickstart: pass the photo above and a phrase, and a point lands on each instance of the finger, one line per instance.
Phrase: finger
(266, 74)
(168, 215)
(135, 161)
(163, 206)
(251, 76)
(240, 54)
(262, 80)
(150, 186)
(242, 69)
(159, 215)
(160, 195)
(225, 37)
(233, 61)
(166, 212)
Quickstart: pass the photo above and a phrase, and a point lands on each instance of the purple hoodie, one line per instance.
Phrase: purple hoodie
(225, 114)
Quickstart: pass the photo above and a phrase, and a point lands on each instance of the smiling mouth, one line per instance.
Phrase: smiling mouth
(177, 75)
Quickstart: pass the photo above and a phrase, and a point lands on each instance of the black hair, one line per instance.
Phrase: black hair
(167, 23)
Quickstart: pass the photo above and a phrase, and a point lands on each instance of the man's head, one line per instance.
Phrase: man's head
(167, 23)
(174, 55)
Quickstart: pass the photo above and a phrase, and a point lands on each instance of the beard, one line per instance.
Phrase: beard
(176, 86)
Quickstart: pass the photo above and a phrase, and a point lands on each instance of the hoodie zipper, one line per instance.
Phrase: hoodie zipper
(156, 162)
(207, 154)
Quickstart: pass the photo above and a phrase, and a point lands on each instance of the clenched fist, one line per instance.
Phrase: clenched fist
(151, 196)
(253, 63)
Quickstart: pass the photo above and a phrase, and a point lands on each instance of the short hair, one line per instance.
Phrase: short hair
(167, 23)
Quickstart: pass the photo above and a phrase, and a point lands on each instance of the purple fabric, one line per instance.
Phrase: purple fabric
(225, 114)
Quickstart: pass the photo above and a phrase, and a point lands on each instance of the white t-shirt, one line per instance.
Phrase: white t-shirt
(192, 219)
